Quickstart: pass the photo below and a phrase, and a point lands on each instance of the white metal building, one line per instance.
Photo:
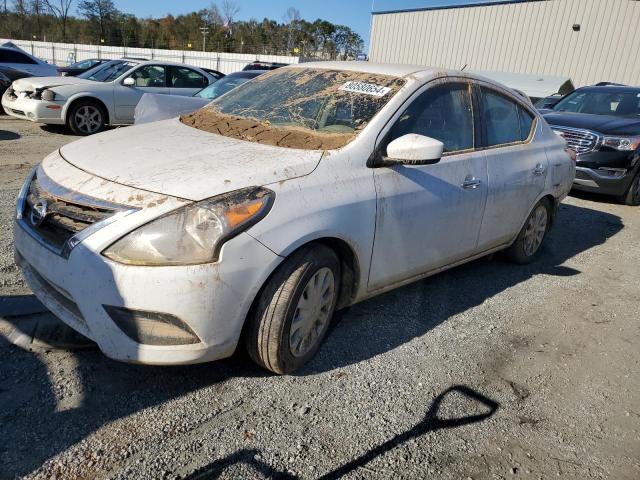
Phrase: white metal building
(587, 40)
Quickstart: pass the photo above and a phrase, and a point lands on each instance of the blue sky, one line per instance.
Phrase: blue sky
(353, 13)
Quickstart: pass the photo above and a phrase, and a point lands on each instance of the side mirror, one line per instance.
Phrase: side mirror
(414, 149)
(129, 82)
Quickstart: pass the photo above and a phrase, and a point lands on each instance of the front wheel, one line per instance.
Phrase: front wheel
(294, 310)
(632, 197)
(527, 245)
(86, 118)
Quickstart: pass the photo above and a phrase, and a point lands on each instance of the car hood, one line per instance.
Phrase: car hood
(32, 83)
(174, 159)
(605, 124)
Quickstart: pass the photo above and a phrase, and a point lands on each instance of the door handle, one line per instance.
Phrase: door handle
(471, 182)
(540, 169)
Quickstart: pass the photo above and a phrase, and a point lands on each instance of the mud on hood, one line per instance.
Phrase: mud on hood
(174, 159)
(31, 83)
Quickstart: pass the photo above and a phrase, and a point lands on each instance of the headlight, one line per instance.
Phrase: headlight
(624, 144)
(193, 234)
(48, 95)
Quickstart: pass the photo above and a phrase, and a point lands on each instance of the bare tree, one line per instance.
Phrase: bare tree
(60, 10)
(20, 7)
(229, 10)
(101, 13)
(37, 9)
(291, 18)
(212, 15)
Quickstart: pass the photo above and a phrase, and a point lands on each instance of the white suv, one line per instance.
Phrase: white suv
(307, 189)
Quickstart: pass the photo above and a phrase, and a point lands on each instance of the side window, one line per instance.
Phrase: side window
(526, 122)
(500, 119)
(187, 78)
(443, 112)
(10, 56)
(149, 76)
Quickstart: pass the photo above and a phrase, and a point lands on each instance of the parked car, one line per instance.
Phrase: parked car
(153, 107)
(8, 75)
(549, 102)
(104, 95)
(602, 125)
(264, 66)
(13, 57)
(82, 66)
(300, 192)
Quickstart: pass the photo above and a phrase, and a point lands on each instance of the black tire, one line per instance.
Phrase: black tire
(269, 331)
(86, 118)
(632, 197)
(521, 251)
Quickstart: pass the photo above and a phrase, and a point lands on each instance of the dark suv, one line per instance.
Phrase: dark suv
(602, 125)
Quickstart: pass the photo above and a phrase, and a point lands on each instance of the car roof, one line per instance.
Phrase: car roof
(247, 73)
(394, 70)
(610, 89)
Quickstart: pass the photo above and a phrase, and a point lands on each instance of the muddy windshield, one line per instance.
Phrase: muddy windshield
(298, 107)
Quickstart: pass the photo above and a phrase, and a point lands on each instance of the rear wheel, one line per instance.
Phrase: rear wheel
(294, 310)
(632, 197)
(527, 246)
(86, 118)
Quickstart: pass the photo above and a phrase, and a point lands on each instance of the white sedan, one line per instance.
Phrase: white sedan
(308, 189)
(105, 95)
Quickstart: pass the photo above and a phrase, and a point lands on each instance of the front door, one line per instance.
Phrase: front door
(429, 216)
(517, 167)
(148, 79)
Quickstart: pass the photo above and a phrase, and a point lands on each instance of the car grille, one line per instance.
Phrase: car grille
(63, 219)
(580, 141)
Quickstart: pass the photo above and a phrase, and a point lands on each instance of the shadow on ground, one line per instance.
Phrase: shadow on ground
(431, 423)
(7, 135)
(112, 390)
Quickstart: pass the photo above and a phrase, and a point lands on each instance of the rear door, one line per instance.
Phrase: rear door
(429, 216)
(185, 81)
(148, 79)
(516, 164)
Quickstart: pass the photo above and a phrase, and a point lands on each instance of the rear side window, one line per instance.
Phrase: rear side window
(9, 56)
(443, 112)
(504, 121)
(187, 78)
(526, 123)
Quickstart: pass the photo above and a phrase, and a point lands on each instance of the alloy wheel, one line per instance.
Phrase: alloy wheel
(311, 315)
(88, 119)
(535, 229)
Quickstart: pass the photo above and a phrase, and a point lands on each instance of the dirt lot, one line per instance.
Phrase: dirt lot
(487, 371)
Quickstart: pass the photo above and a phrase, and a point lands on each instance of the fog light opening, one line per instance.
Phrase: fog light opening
(152, 328)
(613, 172)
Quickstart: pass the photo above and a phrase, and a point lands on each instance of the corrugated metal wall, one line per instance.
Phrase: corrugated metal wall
(534, 37)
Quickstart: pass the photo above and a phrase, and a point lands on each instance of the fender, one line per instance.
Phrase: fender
(89, 96)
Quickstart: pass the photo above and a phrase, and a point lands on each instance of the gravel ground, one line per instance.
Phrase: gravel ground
(487, 371)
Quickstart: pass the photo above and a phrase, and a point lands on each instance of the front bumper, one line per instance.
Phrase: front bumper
(607, 182)
(39, 111)
(212, 299)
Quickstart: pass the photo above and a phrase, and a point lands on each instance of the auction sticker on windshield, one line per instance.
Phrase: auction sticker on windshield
(366, 88)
